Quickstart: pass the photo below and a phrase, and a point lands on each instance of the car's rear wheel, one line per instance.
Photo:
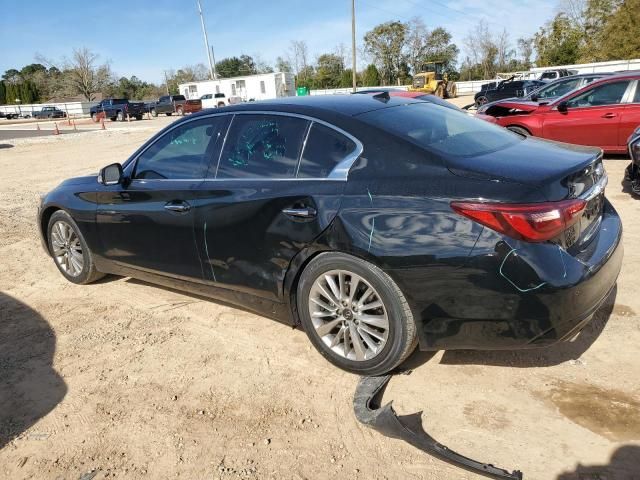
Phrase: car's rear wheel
(154, 113)
(69, 250)
(168, 114)
(94, 117)
(355, 314)
(481, 100)
(519, 130)
(120, 116)
(179, 111)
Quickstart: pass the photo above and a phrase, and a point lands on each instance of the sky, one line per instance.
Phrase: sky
(147, 37)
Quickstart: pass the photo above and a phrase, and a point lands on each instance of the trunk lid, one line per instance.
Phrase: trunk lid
(560, 171)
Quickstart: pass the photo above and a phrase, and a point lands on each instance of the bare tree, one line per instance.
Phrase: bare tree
(416, 43)
(299, 56)
(525, 45)
(482, 49)
(84, 76)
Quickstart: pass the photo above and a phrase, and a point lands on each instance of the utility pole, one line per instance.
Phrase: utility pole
(206, 40)
(353, 43)
(215, 74)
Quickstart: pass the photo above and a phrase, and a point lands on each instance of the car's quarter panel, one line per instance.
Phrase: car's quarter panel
(138, 230)
(246, 238)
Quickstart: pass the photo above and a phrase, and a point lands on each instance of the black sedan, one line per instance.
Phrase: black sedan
(373, 222)
(507, 89)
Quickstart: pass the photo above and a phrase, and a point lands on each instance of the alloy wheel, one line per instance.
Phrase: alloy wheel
(67, 249)
(348, 315)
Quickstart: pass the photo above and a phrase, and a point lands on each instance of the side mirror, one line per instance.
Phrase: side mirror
(111, 174)
(563, 107)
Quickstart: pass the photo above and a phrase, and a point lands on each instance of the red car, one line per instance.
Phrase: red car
(602, 114)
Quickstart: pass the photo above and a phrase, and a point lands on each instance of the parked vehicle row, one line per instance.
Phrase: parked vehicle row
(602, 113)
(506, 89)
(375, 222)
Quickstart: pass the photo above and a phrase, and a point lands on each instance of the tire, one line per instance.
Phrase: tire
(154, 113)
(113, 119)
(168, 114)
(385, 349)
(94, 117)
(120, 117)
(138, 117)
(220, 104)
(481, 100)
(60, 225)
(439, 91)
(519, 130)
(179, 111)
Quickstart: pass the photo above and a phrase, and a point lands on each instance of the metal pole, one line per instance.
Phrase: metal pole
(206, 39)
(353, 43)
(215, 74)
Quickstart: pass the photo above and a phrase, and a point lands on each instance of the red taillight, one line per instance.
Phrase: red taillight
(534, 222)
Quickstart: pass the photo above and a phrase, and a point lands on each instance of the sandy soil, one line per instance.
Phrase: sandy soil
(124, 379)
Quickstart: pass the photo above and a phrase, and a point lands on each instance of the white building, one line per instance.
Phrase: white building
(252, 87)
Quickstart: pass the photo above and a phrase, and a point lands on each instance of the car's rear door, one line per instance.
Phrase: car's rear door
(592, 117)
(147, 222)
(277, 186)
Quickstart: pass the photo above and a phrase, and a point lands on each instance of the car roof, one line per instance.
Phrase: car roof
(342, 104)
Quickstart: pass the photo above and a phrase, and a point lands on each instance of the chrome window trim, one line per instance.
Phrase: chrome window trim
(339, 173)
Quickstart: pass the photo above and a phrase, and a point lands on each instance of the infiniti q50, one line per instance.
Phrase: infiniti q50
(375, 223)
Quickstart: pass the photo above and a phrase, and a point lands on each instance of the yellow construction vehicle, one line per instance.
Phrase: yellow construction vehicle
(433, 79)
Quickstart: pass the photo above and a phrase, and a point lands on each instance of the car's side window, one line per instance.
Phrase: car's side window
(182, 153)
(559, 89)
(607, 94)
(324, 149)
(262, 146)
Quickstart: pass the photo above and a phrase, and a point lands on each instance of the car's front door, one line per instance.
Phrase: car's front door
(275, 189)
(147, 222)
(592, 117)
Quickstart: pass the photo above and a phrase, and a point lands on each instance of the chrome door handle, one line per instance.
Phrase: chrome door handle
(609, 115)
(178, 207)
(306, 212)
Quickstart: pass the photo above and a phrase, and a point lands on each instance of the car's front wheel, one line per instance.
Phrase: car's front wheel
(355, 314)
(519, 130)
(154, 113)
(69, 250)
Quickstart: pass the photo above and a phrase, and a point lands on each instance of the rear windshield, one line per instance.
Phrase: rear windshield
(119, 101)
(440, 129)
(178, 97)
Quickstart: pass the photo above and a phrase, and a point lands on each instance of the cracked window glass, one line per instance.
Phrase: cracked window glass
(262, 146)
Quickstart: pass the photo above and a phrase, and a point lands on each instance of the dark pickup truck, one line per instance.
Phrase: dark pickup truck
(117, 109)
(170, 104)
(49, 112)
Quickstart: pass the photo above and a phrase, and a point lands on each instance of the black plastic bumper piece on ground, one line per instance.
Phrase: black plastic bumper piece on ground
(385, 421)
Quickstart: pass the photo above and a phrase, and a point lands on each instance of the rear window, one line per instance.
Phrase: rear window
(178, 97)
(119, 101)
(442, 130)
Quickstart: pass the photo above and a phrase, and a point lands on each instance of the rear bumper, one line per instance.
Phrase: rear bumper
(511, 295)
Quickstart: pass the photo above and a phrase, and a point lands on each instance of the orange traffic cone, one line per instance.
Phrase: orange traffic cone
(102, 127)
(56, 131)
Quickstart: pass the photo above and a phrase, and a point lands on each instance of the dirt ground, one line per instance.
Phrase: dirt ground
(128, 380)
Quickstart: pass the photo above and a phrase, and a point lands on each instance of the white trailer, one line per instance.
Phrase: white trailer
(249, 88)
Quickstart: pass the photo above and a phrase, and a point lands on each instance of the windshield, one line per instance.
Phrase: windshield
(556, 89)
(440, 129)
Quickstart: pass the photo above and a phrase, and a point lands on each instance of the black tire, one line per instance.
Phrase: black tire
(113, 119)
(481, 100)
(168, 114)
(179, 111)
(120, 116)
(154, 113)
(519, 130)
(401, 340)
(89, 273)
(138, 117)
